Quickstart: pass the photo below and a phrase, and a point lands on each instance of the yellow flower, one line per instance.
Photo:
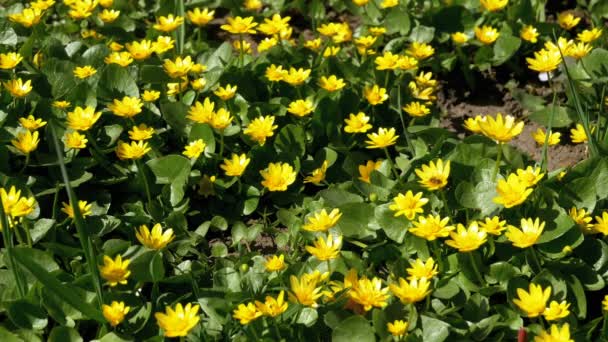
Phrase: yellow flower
(499, 129)
(511, 192)
(221, 119)
(163, 44)
(530, 231)
(135, 150)
(178, 322)
(198, 83)
(556, 310)
(266, 44)
(194, 149)
(141, 132)
(557, 334)
(201, 112)
(18, 88)
(582, 219)
(168, 23)
(305, 290)
(122, 58)
(261, 128)
(326, 249)
(467, 239)
(494, 5)
(567, 20)
(26, 142)
(544, 60)
(434, 176)
(42, 4)
(366, 169)
(274, 25)
(322, 221)
(422, 269)
(278, 176)
(275, 263)
(318, 174)
(563, 45)
(82, 119)
(601, 224)
(31, 123)
(236, 166)
(431, 227)
(486, 34)
(605, 304)
(389, 3)
(331, 51)
(140, 50)
(10, 60)
(409, 204)
(459, 38)
(420, 51)
(397, 328)
(493, 225)
(82, 9)
(313, 44)
(128, 107)
(360, 2)
(375, 94)
(28, 17)
(422, 93)
(369, 293)
(115, 312)
(364, 42)
(273, 307)
(529, 33)
(579, 50)
(108, 16)
(407, 63)
(331, 83)
(411, 292)
(200, 17)
(416, 109)
(540, 136)
(116, 47)
(239, 25)
(61, 104)
(358, 123)
(329, 29)
(252, 5)
(226, 93)
(588, 36)
(472, 124)
(383, 138)
(75, 140)
(115, 271)
(83, 207)
(295, 76)
(530, 176)
(16, 205)
(157, 239)
(533, 303)
(300, 108)
(388, 61)
(178, 68)
(578, 134)
(275, 73)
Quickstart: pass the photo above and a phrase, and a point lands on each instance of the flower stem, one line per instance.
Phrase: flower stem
(545, 156)
(445, 203)
(535, 260)
(8, 244)
(498, 160)
(27, 161)
(476, 268)
(143, 179)
(393, 169)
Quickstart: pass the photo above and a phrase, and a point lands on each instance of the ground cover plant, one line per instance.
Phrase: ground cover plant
(303, 170)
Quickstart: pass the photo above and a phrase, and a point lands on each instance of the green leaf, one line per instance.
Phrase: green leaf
(7, 336)
(116, 82)
(112, 337)
(434, 330)
(205, 132)
(560, 116)
(394, 227)
(335, 197)
(174, 114)
(354, 328)
(356, 219)
(27, 315)
(147, 266)
(397, 20)
(308, 317)
(64, 334)
(41, 227)
(505, 47)
(479, 196)
(596, 63)
(290, 140)
(174, 170)
(422, 34)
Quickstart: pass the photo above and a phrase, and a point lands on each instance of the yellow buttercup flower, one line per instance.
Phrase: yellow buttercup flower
(331, 83)
(128, 107)
(275, 263)
(318, 175)
(122, 58)
(10, 60)
(18, 88)
(141, 132)
(530, 176)
(411, 292)
(407, 63)
(261, 128)
(472, 124)
(108, 16)
(605, 304)
(278, 176)
(275, 73)
(200, 17)
(431, 227)
(459, 38)
(252, 5)
(16, 205)
(360, 2)
(369, 293)
(499, 129)
(539, 136)
(363, 42)
(140, 50)
(300, 108)
(422, 269)
(556, 310)
(273, 307)
(163, 44)
(178, 68)
(409, 204)
(601, 225)
(326, 249)
(358, 123)
(168, 23)
(511, 192)
(150, 95)
(579, 50)
(375, 94)
(397, 328)
(544, 60)
(366, 169)
(567, 20)
(194, 148)
(266, 44)
(494, 5)
(313, 44)
(178, 322)
(135, 150)
(529, 33)
(383, 138)
(578, 134)
(28, 17)
(274, 25)
(420, 51)
(486, 34)
(422, 93)
(589, 36)
(389, 3)
(115, 312)
(416, 109)
(42, 4)
(493, 225)
(75, 140)
(534, 302)
(434, 176)
(530, 231)
(225, 93)
(240, 25)
(583, 219)
(221, 119)
(83, 206)
(202, 112)
(26, 142)
(388, 61)
(31, 123)
(82, 9)
(198, 83)
(242, 46)
(295, 76)
(115, 271)
(116, 47)
(467, 239)
(235, 166)
(556, 334)
(155, 239)
(304, 290)
(322, 221)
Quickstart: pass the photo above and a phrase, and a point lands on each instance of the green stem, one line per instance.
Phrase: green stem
(393, 170)
(475, 268)
(221, 145)
(144, 179)
(27, 161)
(329, 266)
(498, 160)
(8, 244)
(400, 111)
(545, 158)
(26, 229)
(241, 62)
(445, 203)
(535, 260)
(181, 31)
